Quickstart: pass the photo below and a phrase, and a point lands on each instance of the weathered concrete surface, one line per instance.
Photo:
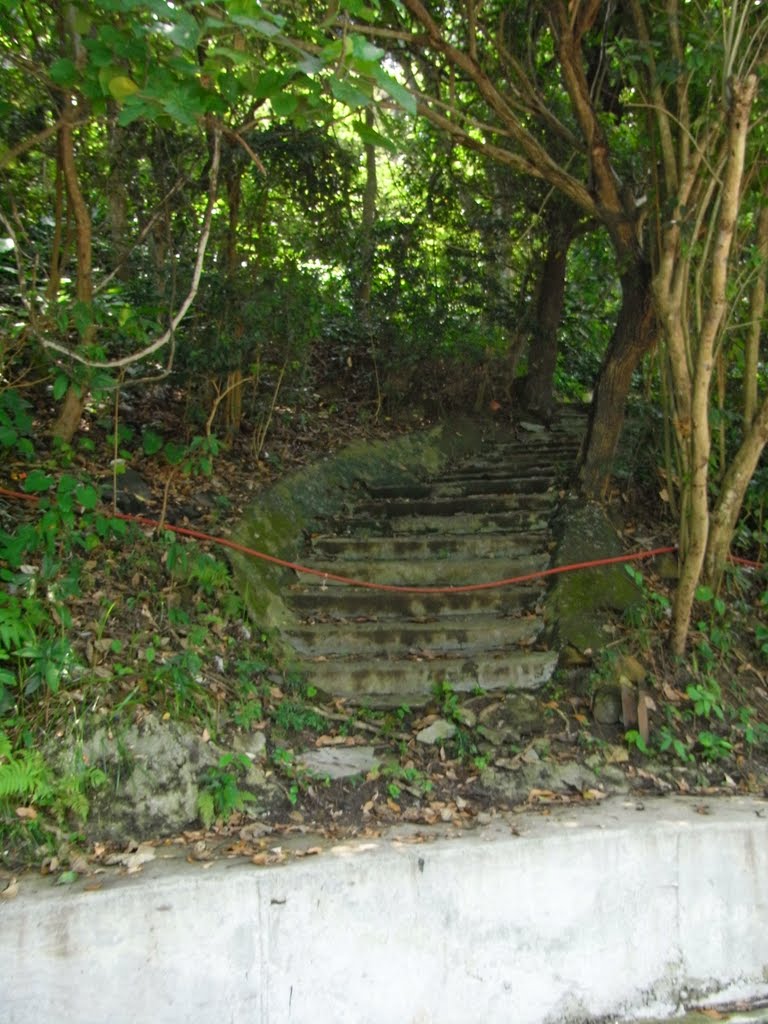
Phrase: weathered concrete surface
(608, 912)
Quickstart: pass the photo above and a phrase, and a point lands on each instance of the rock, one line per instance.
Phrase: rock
(339, 762)
(252, 744)
(134, 494)
(438, 731)
(466, 717)
(629, 666)
(153, 773)
(515, 786)
(607, 705)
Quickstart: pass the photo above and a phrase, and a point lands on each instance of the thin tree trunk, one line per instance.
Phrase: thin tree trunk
(725, 514)
(537, 396)
(752, 346)
(634, 336)
(365, 283)
(74, 401)
(700, 441)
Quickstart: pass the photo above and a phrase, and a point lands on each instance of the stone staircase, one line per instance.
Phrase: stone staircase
(483, 520)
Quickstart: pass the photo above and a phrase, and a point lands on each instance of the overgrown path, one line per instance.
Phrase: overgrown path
(485, 519)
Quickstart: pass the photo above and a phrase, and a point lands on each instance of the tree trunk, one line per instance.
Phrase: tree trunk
(735, 482)
(365, 284)
(634, 336)
(695, 490)
(69, 416)
(117, 198)
(537, 396)
(758, 303)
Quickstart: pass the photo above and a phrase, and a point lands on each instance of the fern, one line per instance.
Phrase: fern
(23, 775)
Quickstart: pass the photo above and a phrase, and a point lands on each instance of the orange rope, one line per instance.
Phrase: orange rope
(394, 587)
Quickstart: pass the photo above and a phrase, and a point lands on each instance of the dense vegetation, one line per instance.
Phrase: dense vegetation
(221, 224)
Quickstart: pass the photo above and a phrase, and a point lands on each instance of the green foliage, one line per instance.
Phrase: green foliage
(634, 739)
(295, 716)
(28, 780)
(406, 776)
(15, 425)
(220, 795)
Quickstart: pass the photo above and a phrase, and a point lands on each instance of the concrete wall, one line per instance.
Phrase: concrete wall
(586, 913)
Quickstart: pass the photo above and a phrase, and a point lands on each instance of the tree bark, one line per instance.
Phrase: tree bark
(696, 492)
(725, 514)
(537, 392)
(633, 337)
(752, 345)
(365, 284)
(74, 402)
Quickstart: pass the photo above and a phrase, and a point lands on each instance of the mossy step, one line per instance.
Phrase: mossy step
(356, 604)
(386, 683)
(427, 572)
(470, 545)
(452, 506)
(520, 449)
(514, 469)
(526, 521)
(511, 481)
(477, 485)
(471, 635)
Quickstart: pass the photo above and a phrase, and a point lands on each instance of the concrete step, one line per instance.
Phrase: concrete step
(427, 572)
(470, 545)
(512, 468)
(381, 508)
(353, 604)
(509, 482)
(470, 635)
(527, 521)
(380, 682)
(522, 450)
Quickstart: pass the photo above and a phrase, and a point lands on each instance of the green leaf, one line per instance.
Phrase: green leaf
(362, 49)
(348, 94)
(310, 65)
(373, 138)
(63, 71)
(121, 87)
(260, 25)
(284, 104)
(186, 32)
(359, 9)
(37, 481)
(87, 496)
(394, 89)
(151, 442)
(174, 453)
(67, 878)
(135, 108)
(704, 593)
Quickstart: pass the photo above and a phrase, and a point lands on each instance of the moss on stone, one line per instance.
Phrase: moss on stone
(576, 605)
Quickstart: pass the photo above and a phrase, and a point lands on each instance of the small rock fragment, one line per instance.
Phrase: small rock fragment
(436, 732)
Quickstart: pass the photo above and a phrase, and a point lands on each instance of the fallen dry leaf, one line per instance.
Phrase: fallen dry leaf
(132, 859)
(11, 891)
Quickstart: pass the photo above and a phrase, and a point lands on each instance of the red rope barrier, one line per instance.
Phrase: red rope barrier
(393, 587)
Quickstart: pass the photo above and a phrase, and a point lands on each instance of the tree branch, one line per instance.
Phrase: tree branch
(202, 245)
